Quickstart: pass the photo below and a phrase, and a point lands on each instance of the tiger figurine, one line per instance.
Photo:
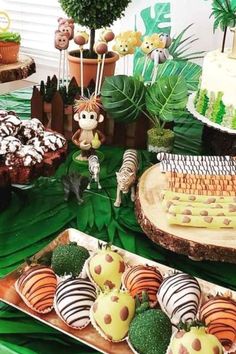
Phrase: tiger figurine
(127, 175)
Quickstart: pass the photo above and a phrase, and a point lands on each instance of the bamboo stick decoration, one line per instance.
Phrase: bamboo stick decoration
(81, 38)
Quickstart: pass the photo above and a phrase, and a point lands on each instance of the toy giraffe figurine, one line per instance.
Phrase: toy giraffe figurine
(88, 138)
(233, 54)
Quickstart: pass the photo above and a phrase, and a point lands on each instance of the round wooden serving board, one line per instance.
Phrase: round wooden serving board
(23, 68)
(196, 243)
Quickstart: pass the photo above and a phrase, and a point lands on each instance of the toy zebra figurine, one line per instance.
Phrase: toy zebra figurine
(126, 177)
(94, 170)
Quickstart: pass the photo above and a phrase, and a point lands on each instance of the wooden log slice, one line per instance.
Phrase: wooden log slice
(19, 70)
(196, 243)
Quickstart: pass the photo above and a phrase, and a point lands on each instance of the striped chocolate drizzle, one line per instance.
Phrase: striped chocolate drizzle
(219, 314)
(179, 296)
(143, 278)
(37, 287)
(74, 298)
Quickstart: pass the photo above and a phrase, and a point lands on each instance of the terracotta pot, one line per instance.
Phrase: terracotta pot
(90, 67)
(9, 52)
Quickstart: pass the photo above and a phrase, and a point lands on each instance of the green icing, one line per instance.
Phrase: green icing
(150, 332)
(10, 37)
(69, 259)
(213, 108)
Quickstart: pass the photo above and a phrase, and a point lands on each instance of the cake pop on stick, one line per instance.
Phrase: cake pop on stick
(126, 43)
(107, 35)
(101, 48)
(66, 26)
(159, 56)
(81, 38)
(61, 42)
(150, 43)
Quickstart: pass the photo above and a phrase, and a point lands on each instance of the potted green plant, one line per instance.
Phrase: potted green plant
(9, 47)
(126, 98)
(93, 14)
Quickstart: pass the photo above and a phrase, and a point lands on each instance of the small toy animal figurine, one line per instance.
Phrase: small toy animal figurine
(74, 183)
(126, 177)
(88, 138)
(94, 170)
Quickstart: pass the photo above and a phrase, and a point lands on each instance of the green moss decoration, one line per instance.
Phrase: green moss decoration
(161, 138)
(150, 332)
(69, 259)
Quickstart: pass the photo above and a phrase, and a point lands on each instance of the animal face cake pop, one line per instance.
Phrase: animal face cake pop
(179, 297)
(73, 300)
(166, 39)
(37, 286)
(66, 26)
(143, 278)
(219, 314)
(61, 40)
(151, 42)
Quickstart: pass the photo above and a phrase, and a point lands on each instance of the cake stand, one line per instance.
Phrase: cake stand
(196, 243)
(217, 139)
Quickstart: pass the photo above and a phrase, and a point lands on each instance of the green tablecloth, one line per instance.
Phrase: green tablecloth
(37, 215)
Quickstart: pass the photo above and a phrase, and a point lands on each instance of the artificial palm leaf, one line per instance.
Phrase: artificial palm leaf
(123, 97)
(181, 45)
(167, 98)
(190, 71)
(224, 12)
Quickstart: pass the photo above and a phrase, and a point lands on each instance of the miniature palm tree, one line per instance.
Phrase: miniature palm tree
(224, 12)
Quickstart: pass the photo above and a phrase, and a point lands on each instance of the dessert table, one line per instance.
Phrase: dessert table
(37, 214)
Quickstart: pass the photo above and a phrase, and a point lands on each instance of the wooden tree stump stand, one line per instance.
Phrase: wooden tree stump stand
(196, 243)
(17, 71)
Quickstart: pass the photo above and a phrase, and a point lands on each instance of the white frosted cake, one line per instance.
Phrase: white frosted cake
(216, 97)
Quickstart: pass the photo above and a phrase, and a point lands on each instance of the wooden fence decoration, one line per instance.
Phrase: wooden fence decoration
(59, 117)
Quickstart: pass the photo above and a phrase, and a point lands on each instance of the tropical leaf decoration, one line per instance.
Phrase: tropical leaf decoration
(167, 98)
(190, 71)
(123, 97)
(224, 12)
(181, 45)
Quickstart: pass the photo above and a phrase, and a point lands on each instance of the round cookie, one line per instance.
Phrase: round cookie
(26, 156)
(73, 300)
(9, 144)
(143, 278)
(195, 341)
(31, 128)
(37, 286)
(10, 125)
(219, 315)
(179, 297)
(106, 267)
(112, 313)
(53, 141)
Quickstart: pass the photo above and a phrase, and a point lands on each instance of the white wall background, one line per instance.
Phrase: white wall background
(38, 30)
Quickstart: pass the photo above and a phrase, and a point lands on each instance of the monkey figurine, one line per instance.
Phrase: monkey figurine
(88, 138)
